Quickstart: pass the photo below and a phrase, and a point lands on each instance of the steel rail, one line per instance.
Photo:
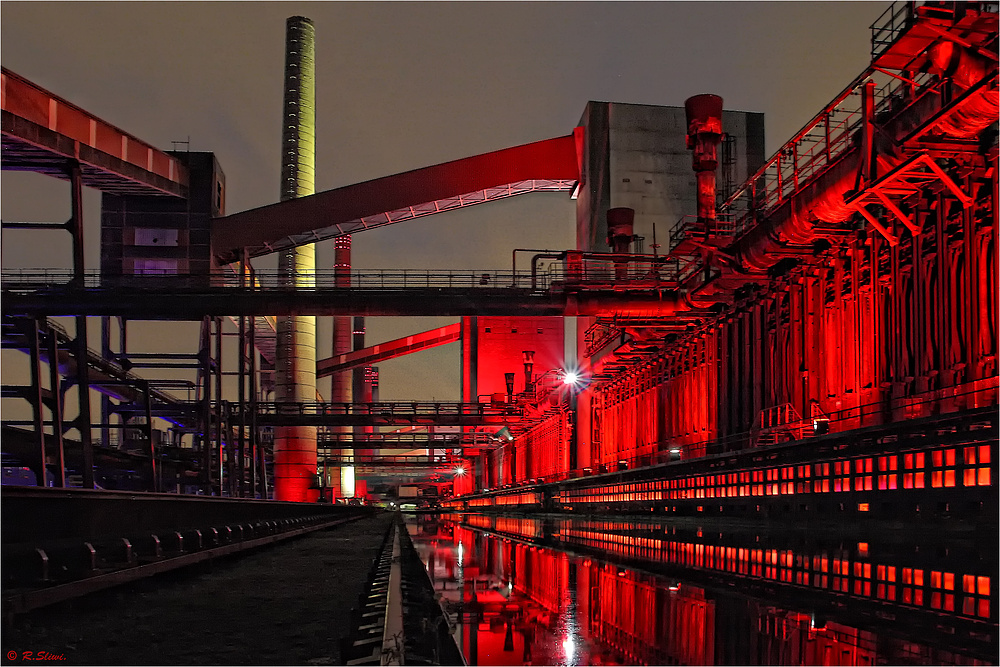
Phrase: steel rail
(393, 650)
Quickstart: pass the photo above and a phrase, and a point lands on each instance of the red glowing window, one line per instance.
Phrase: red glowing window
(983, 476)
(984, 453)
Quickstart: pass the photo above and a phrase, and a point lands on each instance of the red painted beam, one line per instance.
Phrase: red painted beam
(41, 131)
(389, 350)
(552, 164)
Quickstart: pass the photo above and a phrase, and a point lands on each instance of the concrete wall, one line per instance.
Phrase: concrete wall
(164, 234)
(635, 156)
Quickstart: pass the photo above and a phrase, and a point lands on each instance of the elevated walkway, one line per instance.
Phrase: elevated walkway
(42, 133)
(552, 165)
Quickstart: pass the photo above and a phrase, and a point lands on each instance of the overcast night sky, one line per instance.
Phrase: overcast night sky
(402, 86)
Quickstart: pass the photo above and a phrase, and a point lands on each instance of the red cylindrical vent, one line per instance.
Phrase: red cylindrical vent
(703, 109)
(620, 224)
(704, 119)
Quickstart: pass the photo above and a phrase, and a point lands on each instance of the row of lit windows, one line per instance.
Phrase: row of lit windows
(529, 498)
(936, 469)
(913, 586)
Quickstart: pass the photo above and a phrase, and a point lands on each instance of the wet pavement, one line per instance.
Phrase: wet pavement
(595, 591)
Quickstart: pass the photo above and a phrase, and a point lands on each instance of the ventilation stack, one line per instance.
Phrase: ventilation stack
(704, 121)
(295, 372)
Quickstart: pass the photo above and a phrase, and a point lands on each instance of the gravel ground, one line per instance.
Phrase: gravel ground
(286, 605)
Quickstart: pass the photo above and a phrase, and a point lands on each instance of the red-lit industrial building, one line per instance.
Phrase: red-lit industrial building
(804, 339)
(829, 305)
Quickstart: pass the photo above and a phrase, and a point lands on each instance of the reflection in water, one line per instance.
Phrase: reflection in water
(595, 592)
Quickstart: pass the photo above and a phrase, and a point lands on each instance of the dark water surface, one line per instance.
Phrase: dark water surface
(608, 591)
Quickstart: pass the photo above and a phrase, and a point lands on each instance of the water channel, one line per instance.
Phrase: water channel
(609, 591)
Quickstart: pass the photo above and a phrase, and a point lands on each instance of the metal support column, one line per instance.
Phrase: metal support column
(38, 461)
(56, 404)
(154, 468)
(83, 421)
(205, 389)
(241, 386)
(219, 447)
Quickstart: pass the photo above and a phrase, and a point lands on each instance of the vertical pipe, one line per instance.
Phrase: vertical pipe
(218, 404)
(148, 428)
(57, 404)
(295, 373)
(105, 400)
(205, 386)
(241, 386)
(34, 352)
(971, 307)
(252, 347)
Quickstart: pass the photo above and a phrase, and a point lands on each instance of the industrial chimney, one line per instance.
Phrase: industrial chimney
(295, 363)
(704, 120)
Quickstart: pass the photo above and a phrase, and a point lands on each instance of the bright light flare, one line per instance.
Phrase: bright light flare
(569, 646)
(571, 378)
(460, 471)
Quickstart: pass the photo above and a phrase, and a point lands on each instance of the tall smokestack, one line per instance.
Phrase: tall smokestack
(295, 372)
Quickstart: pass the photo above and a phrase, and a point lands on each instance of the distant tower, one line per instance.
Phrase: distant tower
(295, 354)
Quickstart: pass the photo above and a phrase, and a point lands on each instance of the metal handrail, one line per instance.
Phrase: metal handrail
(385, 408)
(641, 271)
(814, 148)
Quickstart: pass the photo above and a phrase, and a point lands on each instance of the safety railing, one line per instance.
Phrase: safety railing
(639, 270)
(399, 408)
(598, 335)
(688, 227)
(15, 279)
(887, 28)
(391, 461)
(819, 144)
(434, 440)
